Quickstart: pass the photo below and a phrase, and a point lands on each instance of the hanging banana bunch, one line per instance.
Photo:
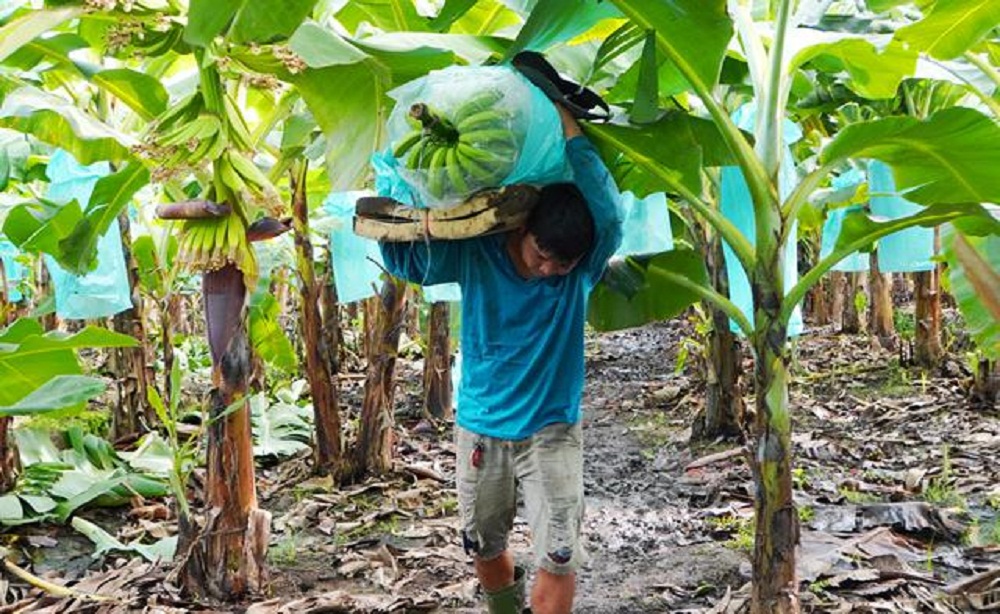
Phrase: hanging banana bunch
(206, 130)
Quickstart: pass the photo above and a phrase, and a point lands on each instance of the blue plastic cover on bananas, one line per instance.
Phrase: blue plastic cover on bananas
(905, 251)
(858, 261)
(13, 271)
(645, 225)
(486, 126)
(105, 290)
(737, 206)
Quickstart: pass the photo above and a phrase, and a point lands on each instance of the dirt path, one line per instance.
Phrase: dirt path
(895, 483)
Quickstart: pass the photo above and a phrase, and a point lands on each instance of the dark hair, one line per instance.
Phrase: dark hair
(562, 222)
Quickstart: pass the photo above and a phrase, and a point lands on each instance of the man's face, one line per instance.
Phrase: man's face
(541, 263)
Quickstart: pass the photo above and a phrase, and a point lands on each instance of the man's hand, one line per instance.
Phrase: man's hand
(569, 124)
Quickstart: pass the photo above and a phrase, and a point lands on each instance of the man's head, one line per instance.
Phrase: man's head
(558, 232)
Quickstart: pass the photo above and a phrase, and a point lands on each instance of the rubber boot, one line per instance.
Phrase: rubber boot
(510, 599)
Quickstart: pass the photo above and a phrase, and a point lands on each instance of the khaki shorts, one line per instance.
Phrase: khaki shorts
(549, 467)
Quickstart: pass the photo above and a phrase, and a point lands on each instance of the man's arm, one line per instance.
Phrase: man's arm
(594, 180)
(424, 263)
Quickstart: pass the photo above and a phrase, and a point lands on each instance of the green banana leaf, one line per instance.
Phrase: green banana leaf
(692, 34)
(64, 231)
(452, 11)
(153, 272)
(29, 357)
(244, 21)
(56, 483)
(472, 49)
(551, 22)
(350, 120)
(20, 31)
(636, 291)
(269, 340)
(53, 50)
(673, 150)
(60, 392)
(56, 121)
(386, 15)
(973, 265)
(951, 27)
(874, 73)
(142, 93)
(319, 47)
(646, 102)
(112, 195)
(952, 157)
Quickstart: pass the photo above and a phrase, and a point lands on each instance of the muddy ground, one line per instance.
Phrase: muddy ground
(895, 483)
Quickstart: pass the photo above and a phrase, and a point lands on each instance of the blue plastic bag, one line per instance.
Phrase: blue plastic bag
(13, 270)
(535, 132)
(905, 251)
(104, 291)
(356, 260)
(737, 206)
(857, 261)
(645, 225)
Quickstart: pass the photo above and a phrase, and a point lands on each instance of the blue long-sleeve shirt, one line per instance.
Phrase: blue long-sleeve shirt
(522, 339)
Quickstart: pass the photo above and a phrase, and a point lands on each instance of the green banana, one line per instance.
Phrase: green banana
(254, 177)
(479, 102)
(407, 142)
(204, 126)
(456, 173)
(484, 175)
(483, 156)
(416, 155)
(238, 130)
(430, 148)
(479, 137)
(482, 119)
(436, 172)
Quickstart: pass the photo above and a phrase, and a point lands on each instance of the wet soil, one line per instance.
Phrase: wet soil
(665, 533)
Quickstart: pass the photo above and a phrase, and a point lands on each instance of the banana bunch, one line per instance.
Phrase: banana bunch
(209, 244)
(471, 149)
(187, 134)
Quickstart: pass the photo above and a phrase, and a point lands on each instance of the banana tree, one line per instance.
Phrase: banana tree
(943, 162)
(41, 373)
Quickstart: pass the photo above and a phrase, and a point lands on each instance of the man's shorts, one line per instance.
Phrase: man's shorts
(549, 467)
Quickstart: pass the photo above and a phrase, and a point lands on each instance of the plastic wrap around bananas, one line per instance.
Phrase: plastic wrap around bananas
(471, 148)
(459, 130)
(210, 244)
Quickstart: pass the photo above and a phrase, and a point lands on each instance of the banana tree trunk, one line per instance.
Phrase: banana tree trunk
(225, 558)
(819, 304)
(132, 414)
(373, 453)
(45, 289)
(331, 320)
(851, 322)
(986, 383)
(927, 349)
(880, 308)
(724, 409)
(838, 281)
(437, 364)
(328, 452)
(775, 584)
(8, 452)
